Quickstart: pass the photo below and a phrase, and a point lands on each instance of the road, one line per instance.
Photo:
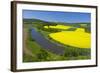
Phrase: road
(46, 44)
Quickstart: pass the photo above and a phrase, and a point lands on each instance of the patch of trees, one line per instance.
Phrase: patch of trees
(75, 52)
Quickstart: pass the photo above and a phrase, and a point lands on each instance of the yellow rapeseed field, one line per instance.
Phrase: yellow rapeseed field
(78, 38)
(58, 27)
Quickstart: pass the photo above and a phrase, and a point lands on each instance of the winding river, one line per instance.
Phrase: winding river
(46, 44)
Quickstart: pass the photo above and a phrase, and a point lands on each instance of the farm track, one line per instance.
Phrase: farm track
(25, 49)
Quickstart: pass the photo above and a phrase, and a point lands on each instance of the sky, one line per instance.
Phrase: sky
(57, 16)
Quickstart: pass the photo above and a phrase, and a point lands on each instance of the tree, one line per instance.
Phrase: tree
(42, 56)
(50, 24)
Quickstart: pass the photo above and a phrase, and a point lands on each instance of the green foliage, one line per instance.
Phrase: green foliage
(42, 55)
(75, 52)
(30, 37)
(71, 29)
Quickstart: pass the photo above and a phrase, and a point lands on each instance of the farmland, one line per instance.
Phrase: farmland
(75, 39)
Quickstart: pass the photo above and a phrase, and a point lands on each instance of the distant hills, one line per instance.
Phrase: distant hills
(30, 21)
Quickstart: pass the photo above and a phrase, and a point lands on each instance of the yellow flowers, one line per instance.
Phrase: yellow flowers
(78, 38)
(58, 27)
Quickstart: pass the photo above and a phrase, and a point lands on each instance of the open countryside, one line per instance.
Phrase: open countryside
(73, 38)
(54, 41)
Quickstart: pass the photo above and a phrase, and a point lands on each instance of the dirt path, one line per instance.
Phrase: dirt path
(25, 49)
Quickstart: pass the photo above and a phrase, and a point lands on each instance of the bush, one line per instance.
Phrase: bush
(30, 36)
(75, 52)
(42, 55)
